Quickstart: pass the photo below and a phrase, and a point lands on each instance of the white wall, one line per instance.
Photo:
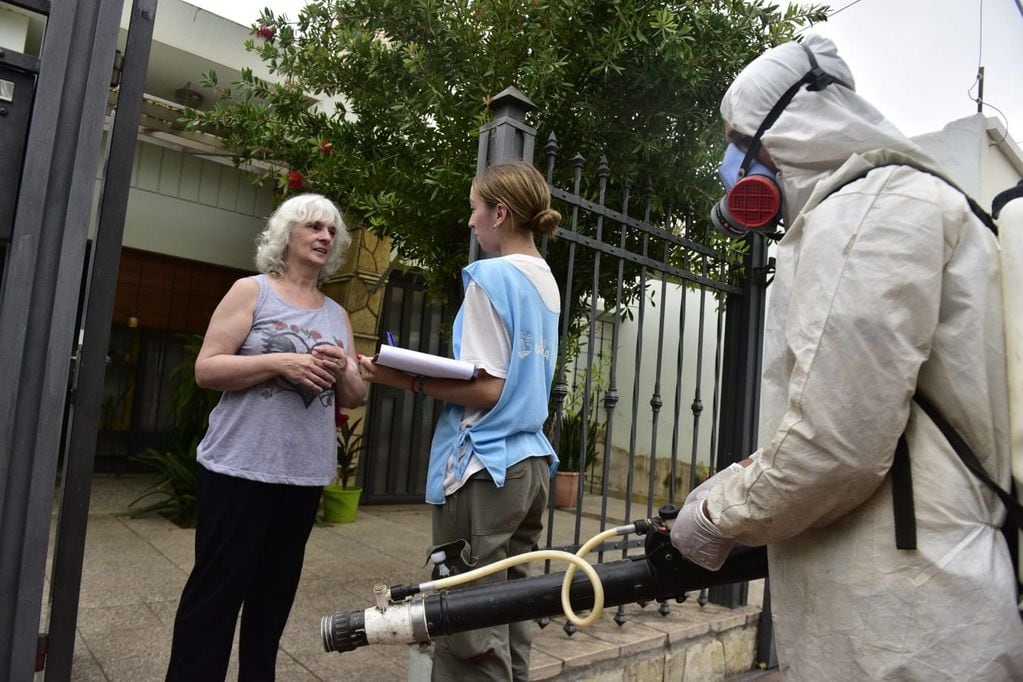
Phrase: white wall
(978, 154)
(185, 206)
(199, 32)
(667, 336)
(13, 30)
(187, 42)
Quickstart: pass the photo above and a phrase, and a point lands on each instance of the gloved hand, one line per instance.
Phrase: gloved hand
(700, 492)
(693, 534)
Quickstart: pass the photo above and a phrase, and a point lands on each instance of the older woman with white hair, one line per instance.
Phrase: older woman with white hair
(281, 353)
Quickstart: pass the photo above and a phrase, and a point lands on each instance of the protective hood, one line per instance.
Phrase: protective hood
(818, 130)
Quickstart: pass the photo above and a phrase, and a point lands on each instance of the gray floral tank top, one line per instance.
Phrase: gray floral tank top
(276, 431)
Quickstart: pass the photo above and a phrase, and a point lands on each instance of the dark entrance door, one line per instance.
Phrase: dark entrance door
(400, 424)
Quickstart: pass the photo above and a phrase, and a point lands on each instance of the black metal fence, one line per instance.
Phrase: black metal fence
(659, 358)
(661, 292)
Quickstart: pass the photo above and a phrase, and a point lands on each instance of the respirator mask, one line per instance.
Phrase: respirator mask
(752, 196)
(752, 202)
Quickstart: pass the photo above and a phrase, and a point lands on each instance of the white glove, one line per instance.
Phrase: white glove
(693, 534)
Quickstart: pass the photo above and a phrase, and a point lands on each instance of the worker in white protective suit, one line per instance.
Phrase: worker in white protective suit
(885, 285)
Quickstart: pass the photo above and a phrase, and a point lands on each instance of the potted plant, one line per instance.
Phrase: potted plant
(569, 442)
(341, 496)
(570, 455)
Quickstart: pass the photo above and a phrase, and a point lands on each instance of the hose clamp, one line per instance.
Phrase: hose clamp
(417, 619)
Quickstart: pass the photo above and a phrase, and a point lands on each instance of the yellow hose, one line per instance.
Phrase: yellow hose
(574, 560)
(566, 584)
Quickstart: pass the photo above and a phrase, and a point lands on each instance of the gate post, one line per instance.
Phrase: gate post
(42, 274)
(505, 138)
(740, 393)
(90, 361)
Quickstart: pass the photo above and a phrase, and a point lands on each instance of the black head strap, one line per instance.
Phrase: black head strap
(1003, 198)
(815, 79)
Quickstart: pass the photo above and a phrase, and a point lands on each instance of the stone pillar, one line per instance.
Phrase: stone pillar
(359, 287)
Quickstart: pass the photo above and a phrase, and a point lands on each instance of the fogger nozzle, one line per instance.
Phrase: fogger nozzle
(400, 623)
(661, 574)
(344, 631)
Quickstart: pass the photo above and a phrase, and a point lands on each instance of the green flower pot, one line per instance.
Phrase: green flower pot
(340, 504)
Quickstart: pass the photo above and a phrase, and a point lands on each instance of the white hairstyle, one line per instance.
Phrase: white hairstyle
(272, 243)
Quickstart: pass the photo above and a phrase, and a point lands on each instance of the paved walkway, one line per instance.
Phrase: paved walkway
(134, 570)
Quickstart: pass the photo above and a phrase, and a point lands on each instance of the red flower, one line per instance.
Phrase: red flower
(295, 180)
(340, 416)
(326, 146)
(265, 32)
(314, 335)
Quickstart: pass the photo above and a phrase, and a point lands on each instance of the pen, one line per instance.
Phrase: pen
(390, 339)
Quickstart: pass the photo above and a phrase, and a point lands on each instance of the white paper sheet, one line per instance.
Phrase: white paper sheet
(424, 364)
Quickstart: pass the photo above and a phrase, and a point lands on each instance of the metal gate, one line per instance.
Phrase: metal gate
(668, 394)
(659, 347)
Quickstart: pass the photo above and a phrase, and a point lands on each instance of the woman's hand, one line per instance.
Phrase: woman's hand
(310, 370)
(378, 374)
(481, 392)
(348, 384)
(333, 358)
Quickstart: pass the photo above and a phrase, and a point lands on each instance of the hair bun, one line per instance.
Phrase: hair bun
(546, 221)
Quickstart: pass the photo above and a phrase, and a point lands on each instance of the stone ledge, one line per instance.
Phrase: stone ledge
(689, 643)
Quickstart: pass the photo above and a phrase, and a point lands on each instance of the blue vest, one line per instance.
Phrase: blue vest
(513, 429)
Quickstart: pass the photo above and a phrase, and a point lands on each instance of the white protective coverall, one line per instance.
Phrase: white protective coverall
(888, 285)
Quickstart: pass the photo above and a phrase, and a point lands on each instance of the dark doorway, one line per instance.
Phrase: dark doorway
(400, 424)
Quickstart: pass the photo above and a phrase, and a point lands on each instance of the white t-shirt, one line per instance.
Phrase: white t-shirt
(486, 344)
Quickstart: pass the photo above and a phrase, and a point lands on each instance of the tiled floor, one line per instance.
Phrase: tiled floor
(134, 570)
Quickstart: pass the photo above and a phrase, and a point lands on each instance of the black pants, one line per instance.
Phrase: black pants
(249, 546)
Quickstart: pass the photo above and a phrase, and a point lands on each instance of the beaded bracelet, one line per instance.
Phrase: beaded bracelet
(421, 385)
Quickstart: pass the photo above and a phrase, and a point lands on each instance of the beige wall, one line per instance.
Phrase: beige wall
(13, 30)
(978, 154)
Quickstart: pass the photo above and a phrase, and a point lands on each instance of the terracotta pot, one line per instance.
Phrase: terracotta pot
(566, 489)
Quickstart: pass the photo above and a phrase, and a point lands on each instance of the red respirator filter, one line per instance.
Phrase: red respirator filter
(754, 203)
